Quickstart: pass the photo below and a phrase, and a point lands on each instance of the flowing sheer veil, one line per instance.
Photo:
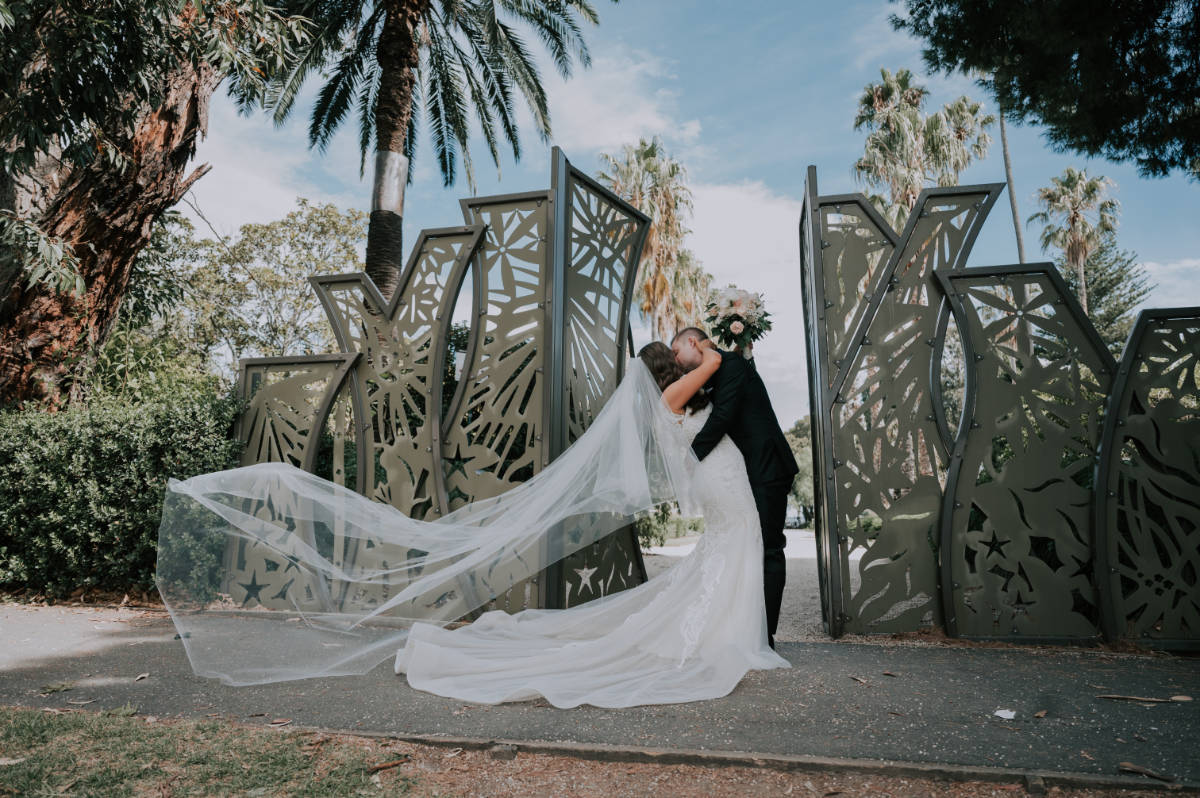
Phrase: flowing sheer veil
(343, 577)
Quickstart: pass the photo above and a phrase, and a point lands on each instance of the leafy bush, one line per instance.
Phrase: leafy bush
(81, 491)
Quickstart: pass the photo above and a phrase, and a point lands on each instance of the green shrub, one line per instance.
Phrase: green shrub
(81, 490)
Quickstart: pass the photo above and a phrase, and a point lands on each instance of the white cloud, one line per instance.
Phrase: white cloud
(258, 170)
(623, 96)
(875, 44)
(746, 234)
(1178, 283)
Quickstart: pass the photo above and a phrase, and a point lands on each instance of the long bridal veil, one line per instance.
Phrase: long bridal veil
(271, 573)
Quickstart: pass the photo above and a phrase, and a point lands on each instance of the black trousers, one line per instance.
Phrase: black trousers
(771, 501)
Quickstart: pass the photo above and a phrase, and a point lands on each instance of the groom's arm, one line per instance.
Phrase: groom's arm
(726, 402)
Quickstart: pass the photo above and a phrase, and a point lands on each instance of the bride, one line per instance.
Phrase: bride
(690, 633)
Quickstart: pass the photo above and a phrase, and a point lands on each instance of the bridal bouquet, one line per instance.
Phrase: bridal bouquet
(737, 318)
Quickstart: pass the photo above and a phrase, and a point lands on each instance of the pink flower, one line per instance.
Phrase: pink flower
(737, 327)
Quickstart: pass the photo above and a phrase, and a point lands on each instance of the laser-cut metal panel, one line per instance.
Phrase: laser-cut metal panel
(600, 244)
(856, 243)
(888, 457)
(604, 242)
(1148, 505)
(552, 276)
(495, 439)
(1016, 536)
(397, 383)
(288, 398)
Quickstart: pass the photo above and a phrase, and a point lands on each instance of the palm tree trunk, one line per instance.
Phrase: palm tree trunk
(1080, 264)
(398, 56)
(1012, 191)
(107, 214)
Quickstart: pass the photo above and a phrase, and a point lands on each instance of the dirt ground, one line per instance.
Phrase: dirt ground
(458, 772)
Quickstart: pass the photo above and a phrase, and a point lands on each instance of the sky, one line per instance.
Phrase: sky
(746, 95)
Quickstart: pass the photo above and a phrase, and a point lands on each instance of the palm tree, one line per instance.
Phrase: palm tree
(1012, 191)
(906, 150)
(1067, 206)
(670, 283)
(388, 58)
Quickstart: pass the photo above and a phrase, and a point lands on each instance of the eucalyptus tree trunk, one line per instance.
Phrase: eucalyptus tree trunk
(106, 214)
(399, 55)
(1012, 192)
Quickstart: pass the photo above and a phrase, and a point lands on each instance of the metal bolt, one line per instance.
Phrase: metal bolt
(825, 244)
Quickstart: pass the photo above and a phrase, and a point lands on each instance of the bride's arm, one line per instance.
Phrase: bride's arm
(679, 392)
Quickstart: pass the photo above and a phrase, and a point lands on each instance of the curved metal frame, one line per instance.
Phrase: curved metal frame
(1107, 479)
(969, 423)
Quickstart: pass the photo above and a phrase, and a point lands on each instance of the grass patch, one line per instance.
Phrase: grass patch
(84, 753)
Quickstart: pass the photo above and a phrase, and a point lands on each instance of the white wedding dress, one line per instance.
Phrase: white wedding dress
(272, 573)
(691, 633)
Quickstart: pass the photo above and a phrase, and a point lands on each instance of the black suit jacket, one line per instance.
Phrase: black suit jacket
(742, 410)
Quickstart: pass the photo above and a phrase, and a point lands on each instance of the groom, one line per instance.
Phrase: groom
(741, 410)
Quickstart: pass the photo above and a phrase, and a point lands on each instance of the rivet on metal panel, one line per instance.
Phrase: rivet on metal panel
(825, 244)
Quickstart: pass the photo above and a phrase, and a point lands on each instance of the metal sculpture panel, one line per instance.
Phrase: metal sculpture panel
(1148, 502)
(981, 511)
(600, 248)
(1016, 532)
(287, 399)
(551, 278)
(398, 379)
(885, 449)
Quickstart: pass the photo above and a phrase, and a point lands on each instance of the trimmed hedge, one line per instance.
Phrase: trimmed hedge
(81, 491)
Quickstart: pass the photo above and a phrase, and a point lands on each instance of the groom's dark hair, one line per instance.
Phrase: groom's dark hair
(694, 332)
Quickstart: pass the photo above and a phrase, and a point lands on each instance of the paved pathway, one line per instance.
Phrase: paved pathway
(939, 706)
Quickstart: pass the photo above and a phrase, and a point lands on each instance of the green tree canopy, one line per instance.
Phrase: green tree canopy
(390, 63)
(1076, 214)
(672, 288)
(1113, 78)
(1117, 285)
(907, 149)
(76, 76)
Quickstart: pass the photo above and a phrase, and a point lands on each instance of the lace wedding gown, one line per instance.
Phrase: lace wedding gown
(691, 633)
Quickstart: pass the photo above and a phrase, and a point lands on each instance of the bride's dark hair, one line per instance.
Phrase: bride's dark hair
(659, 358)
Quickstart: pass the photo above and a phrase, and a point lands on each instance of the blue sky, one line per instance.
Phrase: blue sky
(747, 95)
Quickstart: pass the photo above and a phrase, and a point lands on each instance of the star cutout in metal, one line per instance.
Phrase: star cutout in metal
(457, 463)
(995, 545)
(253, 589)
(585, 578)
